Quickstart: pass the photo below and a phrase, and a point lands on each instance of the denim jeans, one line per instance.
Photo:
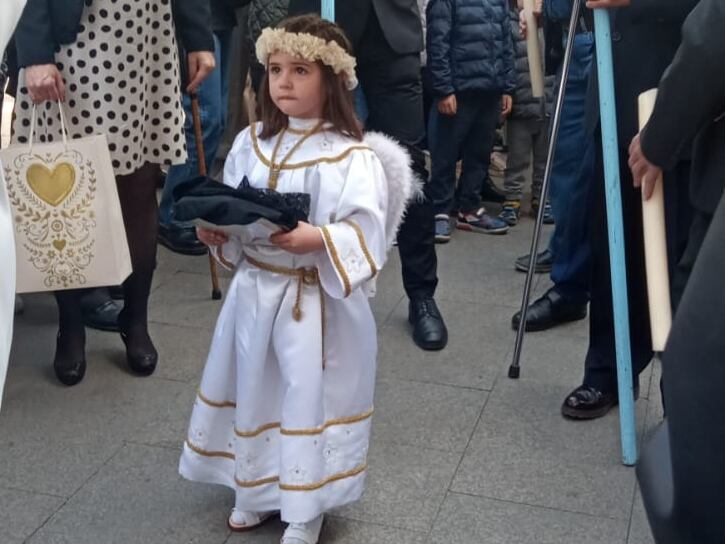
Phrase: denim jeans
(213, 94)
(571, 177)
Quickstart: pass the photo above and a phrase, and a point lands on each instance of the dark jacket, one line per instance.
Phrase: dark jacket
(264, 13)
(399, 20)
(224, 13)
(525, 105)
(691, 105)
(645, 37)
(46, 24)
(470, 47)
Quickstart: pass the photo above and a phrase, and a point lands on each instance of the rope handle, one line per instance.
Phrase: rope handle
(33, 120)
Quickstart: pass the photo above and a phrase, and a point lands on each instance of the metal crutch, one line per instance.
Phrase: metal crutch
(515, 368)
(216, 293)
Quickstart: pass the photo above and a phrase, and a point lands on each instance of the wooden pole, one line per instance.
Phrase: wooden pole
(655, 246)
(533, 49)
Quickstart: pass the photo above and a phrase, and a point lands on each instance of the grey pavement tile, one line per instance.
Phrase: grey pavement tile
(405, 486)
(138, 498)
(169, 261)
(21, 513)
(478, 344)
(473, 520)
(344, 531)
(426, 415)
(639, 530)
(524, 451)
(186, 300)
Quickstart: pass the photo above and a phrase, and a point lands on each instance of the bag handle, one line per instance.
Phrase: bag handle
(33, 119)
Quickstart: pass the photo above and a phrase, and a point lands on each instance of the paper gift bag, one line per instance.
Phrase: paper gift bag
(67, 221)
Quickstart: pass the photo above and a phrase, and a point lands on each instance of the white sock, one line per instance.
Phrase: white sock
(311, 529)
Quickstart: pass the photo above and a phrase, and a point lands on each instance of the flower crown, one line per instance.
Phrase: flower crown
(309, 47)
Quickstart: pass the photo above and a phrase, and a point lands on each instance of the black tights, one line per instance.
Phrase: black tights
(137, 193)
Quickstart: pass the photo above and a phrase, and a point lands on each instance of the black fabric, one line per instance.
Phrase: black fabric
(470, 47)
(214, 202)
(398, 19)
(264, 13)
(691, 103)
(645, 37)
(682, 485)
(46, 24)
(223, 13)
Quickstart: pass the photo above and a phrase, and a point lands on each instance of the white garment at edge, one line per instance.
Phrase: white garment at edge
(10, 11)
(283, 412)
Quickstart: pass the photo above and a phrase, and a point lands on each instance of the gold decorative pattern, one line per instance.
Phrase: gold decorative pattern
(363, 246)
(205, 453)
(215, 404)
(317, 485)
(256, 483)
(257, 431)
(304, 164)
(336, 260)
(52, 198)
(331, 423)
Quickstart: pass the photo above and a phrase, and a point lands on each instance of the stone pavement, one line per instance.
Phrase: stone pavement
(460, 453)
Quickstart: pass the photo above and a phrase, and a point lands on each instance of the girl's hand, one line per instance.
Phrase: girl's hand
(304, 239)
(44, 82)
(211, 238)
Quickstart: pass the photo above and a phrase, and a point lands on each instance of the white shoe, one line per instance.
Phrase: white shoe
(240, 521)
(303, 533)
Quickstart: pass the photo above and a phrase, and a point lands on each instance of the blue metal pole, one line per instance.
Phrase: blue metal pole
(328, 10)
(610, 147)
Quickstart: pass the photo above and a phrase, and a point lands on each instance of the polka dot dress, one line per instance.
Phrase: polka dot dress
(122, 80)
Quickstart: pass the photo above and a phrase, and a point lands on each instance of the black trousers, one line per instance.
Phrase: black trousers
(600, 369)
(393, 92)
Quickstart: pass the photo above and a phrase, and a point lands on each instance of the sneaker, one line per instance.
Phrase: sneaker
(303, 533)
(480, 221)
(548, 212)
(443, 228)
(510, 213)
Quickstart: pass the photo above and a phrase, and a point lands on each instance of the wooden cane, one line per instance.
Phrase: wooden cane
(655, 246)
(533, 50)
(216, 293)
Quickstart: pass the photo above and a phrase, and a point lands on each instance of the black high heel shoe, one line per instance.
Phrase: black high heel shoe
(141, 356)
(69, 369)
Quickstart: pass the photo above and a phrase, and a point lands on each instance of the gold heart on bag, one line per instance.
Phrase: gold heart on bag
(59, 244)
(53, 186)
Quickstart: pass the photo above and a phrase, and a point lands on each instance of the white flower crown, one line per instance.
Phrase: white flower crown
(309, 47)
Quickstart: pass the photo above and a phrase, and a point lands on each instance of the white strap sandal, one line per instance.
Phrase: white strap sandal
(303, 533)
(240, 521)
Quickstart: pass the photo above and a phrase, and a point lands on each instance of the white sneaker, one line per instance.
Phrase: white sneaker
(303, 533)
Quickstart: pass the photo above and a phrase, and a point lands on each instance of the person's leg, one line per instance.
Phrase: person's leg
(517, 166)
(392, 88)
(69, 362)
(477, 147)
(539, 148)
(137, 194)
(177, 235)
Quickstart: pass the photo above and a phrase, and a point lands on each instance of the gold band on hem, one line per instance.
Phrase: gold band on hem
(331, 423)
(215, 404)
(363, 246)
(256, 483)
(336, 260)
(205, 453)
(257, 431)
(317, 485)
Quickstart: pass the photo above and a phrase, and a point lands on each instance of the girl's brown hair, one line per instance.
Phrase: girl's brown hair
(339, 109)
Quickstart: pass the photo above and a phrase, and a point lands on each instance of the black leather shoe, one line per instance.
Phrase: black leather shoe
(549, 311)
(69, 363)
(589, 403)
(491, 193)
(103, 316)
(183, 241)
(543, 265)
(429, 330)
(141, 355)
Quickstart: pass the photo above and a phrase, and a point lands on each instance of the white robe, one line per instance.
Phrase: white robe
(284, 408)
(10, 11)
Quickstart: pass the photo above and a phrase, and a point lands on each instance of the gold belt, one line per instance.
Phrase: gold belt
(306, 277)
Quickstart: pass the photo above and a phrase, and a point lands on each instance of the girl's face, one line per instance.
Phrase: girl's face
(295, 86)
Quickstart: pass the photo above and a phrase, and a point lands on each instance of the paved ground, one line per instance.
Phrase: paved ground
(460, 454)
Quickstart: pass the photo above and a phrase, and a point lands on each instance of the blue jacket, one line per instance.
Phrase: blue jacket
(470, 47)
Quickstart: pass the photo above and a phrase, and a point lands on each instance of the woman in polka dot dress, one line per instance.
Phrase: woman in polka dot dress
(113, 64)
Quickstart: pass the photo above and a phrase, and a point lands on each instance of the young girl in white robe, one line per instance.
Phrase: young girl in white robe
(284, 408)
